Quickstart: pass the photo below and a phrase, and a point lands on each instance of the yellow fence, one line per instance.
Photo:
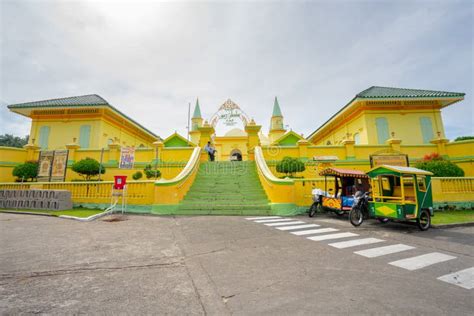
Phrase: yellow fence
(138, 192)
(447, 190)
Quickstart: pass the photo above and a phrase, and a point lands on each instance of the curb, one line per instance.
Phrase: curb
(29, 213)
(453, 225)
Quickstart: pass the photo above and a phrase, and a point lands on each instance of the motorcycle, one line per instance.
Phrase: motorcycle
(360, 209)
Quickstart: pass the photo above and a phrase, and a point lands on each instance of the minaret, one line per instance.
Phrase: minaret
(276, 124)
(196, 122)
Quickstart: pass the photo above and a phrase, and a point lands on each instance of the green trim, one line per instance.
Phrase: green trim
(131, 208)
(164, 209)
(10, 163)
(12, 148)
(284, 209)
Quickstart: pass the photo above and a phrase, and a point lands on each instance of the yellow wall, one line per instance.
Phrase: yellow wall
(225, 145)
(405, 125)
(62, 132)
(110, 131)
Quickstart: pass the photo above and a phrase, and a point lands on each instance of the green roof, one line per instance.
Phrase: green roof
(276, 108)
(386, 92)
(77, 101)
(197, 110)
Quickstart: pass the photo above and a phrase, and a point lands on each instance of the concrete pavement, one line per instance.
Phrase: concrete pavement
(224, 265)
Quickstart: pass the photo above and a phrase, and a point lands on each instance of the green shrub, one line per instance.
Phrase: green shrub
(441, 168)
(151, 173)
(28, 170)
(289, 166)
(137, 175)
(88, 168)
(463, 138)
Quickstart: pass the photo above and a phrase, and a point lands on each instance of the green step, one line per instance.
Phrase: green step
(226, 188)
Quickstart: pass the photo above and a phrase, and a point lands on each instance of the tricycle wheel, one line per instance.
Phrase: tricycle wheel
(383, 220)
(313, 209)
(356, 217)
(424, 220)
(340, 213)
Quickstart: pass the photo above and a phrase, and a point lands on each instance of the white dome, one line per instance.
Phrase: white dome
(235, 132)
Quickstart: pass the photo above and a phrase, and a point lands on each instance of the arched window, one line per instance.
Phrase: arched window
(357, 138)
(382, 129)
(44, 137)
(426, 129)
(84, 136)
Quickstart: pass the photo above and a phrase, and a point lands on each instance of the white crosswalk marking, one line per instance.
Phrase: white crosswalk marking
(382, 251)
(422, 261)
(463, 278)
(297, 227)
(332, 236)
(274, 220)
(314, 231)
(355, 242)
(261, 217)
(285, 223)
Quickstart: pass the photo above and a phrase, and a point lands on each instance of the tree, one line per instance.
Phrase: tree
(290, 166)
(28, 170)
(439, 166)
(9, 140)
(460, 138)
(151, 173)
(88, 168)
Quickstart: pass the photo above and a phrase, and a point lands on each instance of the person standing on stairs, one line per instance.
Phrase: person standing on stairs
(210, 151)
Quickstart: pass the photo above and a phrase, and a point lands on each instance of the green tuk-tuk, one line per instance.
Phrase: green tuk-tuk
(398, 193)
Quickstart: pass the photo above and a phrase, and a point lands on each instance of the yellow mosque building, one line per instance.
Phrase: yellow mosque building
(378, 119)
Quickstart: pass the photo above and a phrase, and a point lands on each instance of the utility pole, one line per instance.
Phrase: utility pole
(189, 114)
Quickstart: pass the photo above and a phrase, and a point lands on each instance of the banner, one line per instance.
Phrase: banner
(52, 165)
(44, 165)
(127, 158)
(58, 172)
(391, 160)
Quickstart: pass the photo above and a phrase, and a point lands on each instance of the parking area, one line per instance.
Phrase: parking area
(232, 265)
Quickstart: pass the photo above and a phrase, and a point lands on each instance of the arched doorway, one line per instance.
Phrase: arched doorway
(236, 155)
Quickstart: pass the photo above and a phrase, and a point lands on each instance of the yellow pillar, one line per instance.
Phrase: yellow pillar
(349, 146)
(252, 130)
(206, 131)
(395, 143)
(441, 143)
(31, 149)
(303, 148)
(114, 153)
(158, 154)
(72, 147)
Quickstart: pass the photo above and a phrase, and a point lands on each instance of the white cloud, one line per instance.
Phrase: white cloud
(150, 59)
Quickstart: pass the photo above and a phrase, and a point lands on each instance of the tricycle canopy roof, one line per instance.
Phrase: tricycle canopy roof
(343, 173)
(396, 170)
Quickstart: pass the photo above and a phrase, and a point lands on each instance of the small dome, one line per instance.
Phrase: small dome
(235, 132)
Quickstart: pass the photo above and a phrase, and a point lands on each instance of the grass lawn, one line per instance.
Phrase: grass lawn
(78, 212)
(450, 217)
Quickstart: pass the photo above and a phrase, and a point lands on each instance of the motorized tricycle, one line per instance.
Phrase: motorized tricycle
(339, 200)
(398, 193)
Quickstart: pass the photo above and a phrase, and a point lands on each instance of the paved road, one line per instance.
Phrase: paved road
(232, 265)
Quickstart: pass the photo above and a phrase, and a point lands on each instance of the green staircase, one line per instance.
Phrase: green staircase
(226, 188)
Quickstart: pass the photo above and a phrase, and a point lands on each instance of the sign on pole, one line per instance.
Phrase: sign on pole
(127, 157)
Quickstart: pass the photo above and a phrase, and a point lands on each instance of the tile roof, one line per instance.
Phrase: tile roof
(90, 99)
(387, 92)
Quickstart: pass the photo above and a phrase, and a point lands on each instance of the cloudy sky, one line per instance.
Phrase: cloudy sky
(151, 59)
